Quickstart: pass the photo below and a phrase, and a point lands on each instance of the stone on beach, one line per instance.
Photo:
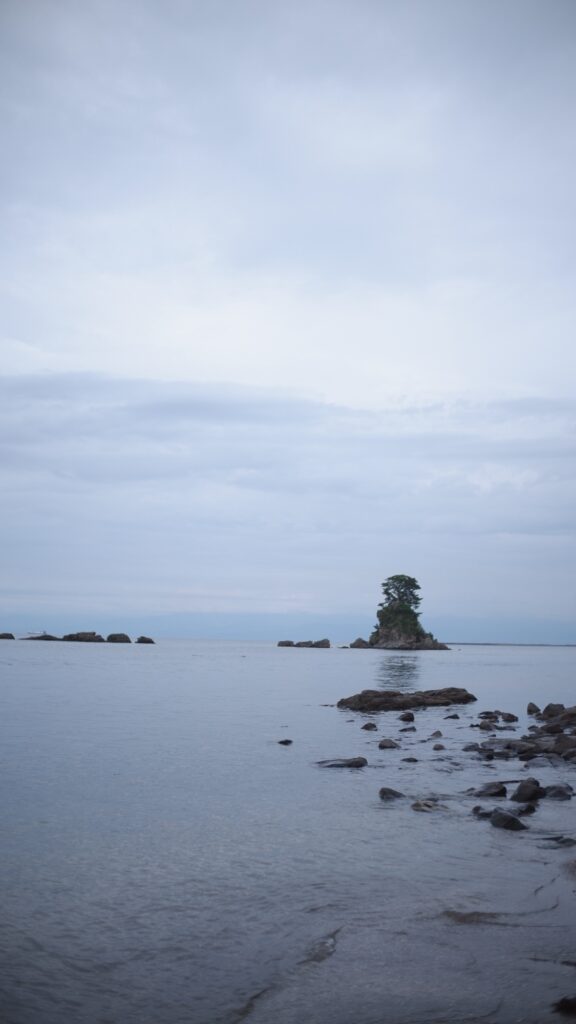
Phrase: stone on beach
(507, 820)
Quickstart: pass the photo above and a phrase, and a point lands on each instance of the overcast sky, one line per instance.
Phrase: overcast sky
(288, 306)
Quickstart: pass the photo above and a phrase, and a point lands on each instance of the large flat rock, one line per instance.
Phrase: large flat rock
(397, 700)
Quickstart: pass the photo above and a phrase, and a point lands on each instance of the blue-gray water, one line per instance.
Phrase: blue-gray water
(165, 861)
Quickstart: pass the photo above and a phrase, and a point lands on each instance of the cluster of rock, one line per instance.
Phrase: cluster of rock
(527, 794)
(554, 741)
(85, 637)
(303, 643)
(551, 742)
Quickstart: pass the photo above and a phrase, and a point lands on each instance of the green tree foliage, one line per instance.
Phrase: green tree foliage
(401, 592)
(397, 614)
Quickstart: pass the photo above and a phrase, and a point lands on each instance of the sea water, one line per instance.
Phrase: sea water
(166, 861)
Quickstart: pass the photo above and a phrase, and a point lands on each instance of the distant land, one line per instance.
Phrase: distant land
(270, 627)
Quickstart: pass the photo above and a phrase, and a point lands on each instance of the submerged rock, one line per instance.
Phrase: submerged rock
(491, 789)
(397, 700)
(386, 793)
(343, 762)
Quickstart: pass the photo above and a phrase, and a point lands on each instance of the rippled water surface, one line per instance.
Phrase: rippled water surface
(166, 861)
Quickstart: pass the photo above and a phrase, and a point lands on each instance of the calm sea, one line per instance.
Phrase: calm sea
(166, 861)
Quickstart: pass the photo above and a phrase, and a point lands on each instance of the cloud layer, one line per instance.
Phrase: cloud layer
(288, 298)
(173, 498)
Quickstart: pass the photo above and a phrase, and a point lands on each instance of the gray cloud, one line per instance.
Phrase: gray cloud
(106, 483)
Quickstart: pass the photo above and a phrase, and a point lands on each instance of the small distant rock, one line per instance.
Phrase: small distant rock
(360, 644)
(407, 716)
(285, 743)
(145, 640)
(84, 638)
(7, 636)
(411, 760)
(388, 745)
(446, 717)
(370, 726)
(285, 643)
(42, 636)
(118, 638)
(533, 709)
(389, 794)
(438, 746)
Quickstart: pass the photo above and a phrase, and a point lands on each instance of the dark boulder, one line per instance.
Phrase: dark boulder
(505, 819)
(370, 726)
(553, 710)
(389, 794)
(398, 700)
(527, 791)
(406, 716)
(285, 743)
(7, 636)
(118, 638)
(285, 643)
(388, 745)
(145, 640)
(533, 709)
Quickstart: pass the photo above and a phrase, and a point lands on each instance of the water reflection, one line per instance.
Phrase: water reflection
(398, 672)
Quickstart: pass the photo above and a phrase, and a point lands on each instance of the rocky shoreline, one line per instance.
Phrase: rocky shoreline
(549, 744)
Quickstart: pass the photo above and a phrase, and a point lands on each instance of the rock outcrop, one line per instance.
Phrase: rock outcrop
(398, 700)
(118, 638)
(303, 643)
(145, 640)
(6, 636)
(84, 638)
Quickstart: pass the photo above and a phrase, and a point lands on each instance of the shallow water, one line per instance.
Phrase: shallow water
(165, 860)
